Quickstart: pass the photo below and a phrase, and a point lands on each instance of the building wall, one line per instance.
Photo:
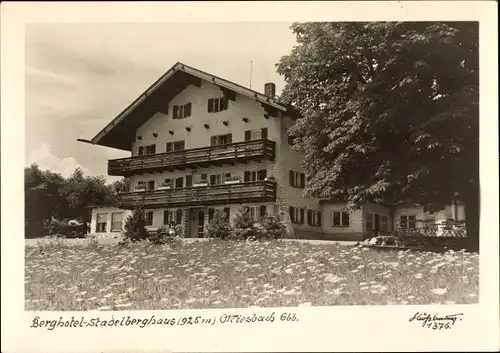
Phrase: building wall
(452, 211)
(371, 208)
(353, 232)
(108, 211)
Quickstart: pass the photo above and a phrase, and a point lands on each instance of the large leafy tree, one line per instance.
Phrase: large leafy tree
(389, 112)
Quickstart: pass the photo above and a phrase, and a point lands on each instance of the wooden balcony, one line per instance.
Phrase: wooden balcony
(237, 152)
(255, 191)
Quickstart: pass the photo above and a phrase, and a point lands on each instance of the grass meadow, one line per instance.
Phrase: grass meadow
(221, 274)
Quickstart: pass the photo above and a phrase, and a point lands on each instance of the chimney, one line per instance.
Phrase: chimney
(270, 89)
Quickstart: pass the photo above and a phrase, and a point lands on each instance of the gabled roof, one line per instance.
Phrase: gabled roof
(120, 132)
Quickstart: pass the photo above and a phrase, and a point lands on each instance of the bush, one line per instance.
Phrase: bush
(243, 220)
(219, 226)
(135, 225)
(269, 227)
(274, 228)
(63, 228)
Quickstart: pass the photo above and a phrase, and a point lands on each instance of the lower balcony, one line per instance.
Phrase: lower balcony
(255, 191)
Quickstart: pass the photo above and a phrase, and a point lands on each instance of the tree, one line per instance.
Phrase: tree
(135, 225)
(389, 112)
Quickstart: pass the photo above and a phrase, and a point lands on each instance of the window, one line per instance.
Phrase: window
(217, 104)
(116, 221)
(291, 140)
(296, 215)
(175, 146)
(257, 134)
(101, 222)
(151, 185)
(340, 219)
(179, 182)
(140, 151)
(256, 212)
(149, 218)
(221, 139)
(181, 111)
(297, 179)
(141, 185)
(314, 218)
(407, 222)
(215, 179)
(172, 216)
(151, 149)
(255, 175)
(370, 223)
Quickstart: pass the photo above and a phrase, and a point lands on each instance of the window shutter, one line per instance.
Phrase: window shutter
(248, 135)
(211, 212)
(262, 211)
(153, 149)
(292, 178)
(212, 179)
(175, 112)
(210, 105)
(309, 217)
(140, 151)
(263, 133)
(165, 217)
(292, 214)
(301, 213)
(229, 138)
(226, 211)
(345, 219)
(187, 110)
(213, 140)
(223, 103)
(302, 180)
(189, 181)
(319, 218)
(246, 177)
(179, 182)
(178, 216)
(169, 146)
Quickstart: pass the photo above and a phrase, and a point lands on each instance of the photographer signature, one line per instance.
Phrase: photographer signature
(435, 321)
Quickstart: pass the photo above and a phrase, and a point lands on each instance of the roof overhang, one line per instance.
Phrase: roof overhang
(120, 132)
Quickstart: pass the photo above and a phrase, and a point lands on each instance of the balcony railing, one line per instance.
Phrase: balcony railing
(196, 157)
(255, 191)
(430, 228)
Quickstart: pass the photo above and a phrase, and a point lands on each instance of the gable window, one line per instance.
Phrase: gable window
(215, 105)
(181, 111)
(151, 149)
(407, 221)
(149, 218)
(101, 222)
(255, 175)
(116, 221)
(175, 146)
(297, 179)
(221, 139)
(314, 218)
(340, 219)
(257, 134)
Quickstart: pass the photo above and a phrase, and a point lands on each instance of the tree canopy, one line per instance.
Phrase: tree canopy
(389, 111)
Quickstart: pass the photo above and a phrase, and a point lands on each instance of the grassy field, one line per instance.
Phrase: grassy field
(219, 274)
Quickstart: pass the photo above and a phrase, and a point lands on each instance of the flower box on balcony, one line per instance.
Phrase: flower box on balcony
(164, 187)
(200, 184)
(232, 181)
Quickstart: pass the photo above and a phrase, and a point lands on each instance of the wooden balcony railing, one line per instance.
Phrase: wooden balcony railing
(255, 191)
(193, 158)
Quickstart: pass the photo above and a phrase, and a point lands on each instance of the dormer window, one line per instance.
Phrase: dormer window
(217, 104)
(181, 111)
(151, 149)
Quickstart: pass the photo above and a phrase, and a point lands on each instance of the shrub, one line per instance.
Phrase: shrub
(269, 227)
(219, 226)
(272, 225)
(135, 225)
(243, 220)
(63, 228)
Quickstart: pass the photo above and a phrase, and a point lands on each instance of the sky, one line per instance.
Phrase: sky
(80, 76)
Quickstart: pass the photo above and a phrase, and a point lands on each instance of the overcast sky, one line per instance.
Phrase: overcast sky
(80, 76)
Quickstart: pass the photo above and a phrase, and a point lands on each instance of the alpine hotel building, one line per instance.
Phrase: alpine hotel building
(199, 143)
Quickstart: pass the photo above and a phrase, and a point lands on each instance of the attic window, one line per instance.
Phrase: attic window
(217, 104)
(181, 111)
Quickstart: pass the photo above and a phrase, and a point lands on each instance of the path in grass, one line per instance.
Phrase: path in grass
(218, 274)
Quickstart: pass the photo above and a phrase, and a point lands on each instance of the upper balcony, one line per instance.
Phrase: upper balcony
(254, 191)
(193, 158)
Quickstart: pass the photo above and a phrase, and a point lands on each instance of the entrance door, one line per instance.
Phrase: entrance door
(196, 222)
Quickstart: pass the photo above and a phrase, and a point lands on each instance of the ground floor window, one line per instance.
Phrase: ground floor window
(172, 216)
(340, 219)
(314, 218)
(376, 222)
(211, 213)
(116, 221)
(101, 222)
(149, 218)
(407, 221)
(296, 215)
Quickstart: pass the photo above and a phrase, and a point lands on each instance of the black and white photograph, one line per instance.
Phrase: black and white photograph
(252, 165)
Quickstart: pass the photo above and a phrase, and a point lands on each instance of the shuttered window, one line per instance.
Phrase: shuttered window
(215, 105)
